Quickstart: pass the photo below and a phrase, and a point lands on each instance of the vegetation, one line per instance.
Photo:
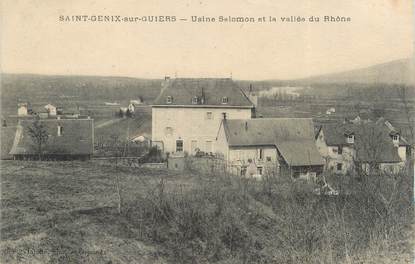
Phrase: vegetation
(234, 220)
(197, 218)
(39, 135)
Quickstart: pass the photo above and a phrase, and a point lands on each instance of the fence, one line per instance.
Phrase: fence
(211, 165)
(133, 162)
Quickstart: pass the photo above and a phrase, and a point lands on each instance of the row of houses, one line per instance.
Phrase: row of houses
(215, 117)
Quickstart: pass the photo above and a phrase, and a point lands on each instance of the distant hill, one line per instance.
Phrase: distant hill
(58, 88)
(393, 72)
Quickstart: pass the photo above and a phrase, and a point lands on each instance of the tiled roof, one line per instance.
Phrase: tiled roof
(293, 137)
(183, 90)
(77, 137)
(300, 153)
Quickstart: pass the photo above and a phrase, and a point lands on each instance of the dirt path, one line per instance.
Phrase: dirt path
(108, 123)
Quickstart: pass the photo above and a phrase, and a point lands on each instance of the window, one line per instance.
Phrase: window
(335, 150)
(395, 138)
(268, 158)
(339, 166)
(259, 170)
(224, 100)
(340, 150)
(260, 154)
(179, 145)
(195, 100)
(169, 99)
(209, 115)
(60, 130)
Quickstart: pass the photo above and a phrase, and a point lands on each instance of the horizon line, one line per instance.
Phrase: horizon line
(162, 77)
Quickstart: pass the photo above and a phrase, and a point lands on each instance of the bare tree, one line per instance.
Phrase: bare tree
(39, 135)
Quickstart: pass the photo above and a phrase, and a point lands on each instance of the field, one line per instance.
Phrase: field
(66, 212)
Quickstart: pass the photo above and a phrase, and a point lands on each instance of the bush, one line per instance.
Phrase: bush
(235, 220)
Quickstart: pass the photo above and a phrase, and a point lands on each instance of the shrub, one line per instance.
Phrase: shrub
(235, 220)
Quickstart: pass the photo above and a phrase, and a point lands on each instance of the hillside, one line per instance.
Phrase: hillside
(74, 90)
(393, 72)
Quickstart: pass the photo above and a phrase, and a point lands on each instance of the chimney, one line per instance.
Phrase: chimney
(166, 81)
(202, 98)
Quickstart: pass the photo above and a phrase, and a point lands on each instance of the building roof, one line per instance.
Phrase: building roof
(372, 140)
(300, 153)
(293, 137)
(77, 137)
(183, 90)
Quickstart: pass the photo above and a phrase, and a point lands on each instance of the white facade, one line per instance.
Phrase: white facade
(131, 108)
(51, 109)
(22, 110)
(185, 129)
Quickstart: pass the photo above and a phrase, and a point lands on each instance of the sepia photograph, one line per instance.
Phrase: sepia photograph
(195, 131)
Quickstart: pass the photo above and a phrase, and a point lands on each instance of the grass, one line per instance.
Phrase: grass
(66, 212)
(6, 140)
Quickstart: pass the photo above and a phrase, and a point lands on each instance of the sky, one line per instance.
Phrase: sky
(33, 40)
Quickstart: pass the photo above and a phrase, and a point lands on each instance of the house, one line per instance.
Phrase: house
(51, 109)
(187, 114)
(271, 145)
(67, 139)
(351, 146)
(131, 108)
(330, 111)
(23, 109)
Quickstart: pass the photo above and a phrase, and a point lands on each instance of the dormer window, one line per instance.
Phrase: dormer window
(224, 100)
(169, 99)
(395, 138)
(350, 139)
(195, 100)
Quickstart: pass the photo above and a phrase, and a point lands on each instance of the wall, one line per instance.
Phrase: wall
(221, 143)
(191, 124)
(238, 157)
(330, 154)
(402, 153)
(22, 111)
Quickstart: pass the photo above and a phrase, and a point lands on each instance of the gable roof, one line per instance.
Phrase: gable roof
(372, 140)
(182, 90)
(293, 137)
(77, 137)
(300, 153)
